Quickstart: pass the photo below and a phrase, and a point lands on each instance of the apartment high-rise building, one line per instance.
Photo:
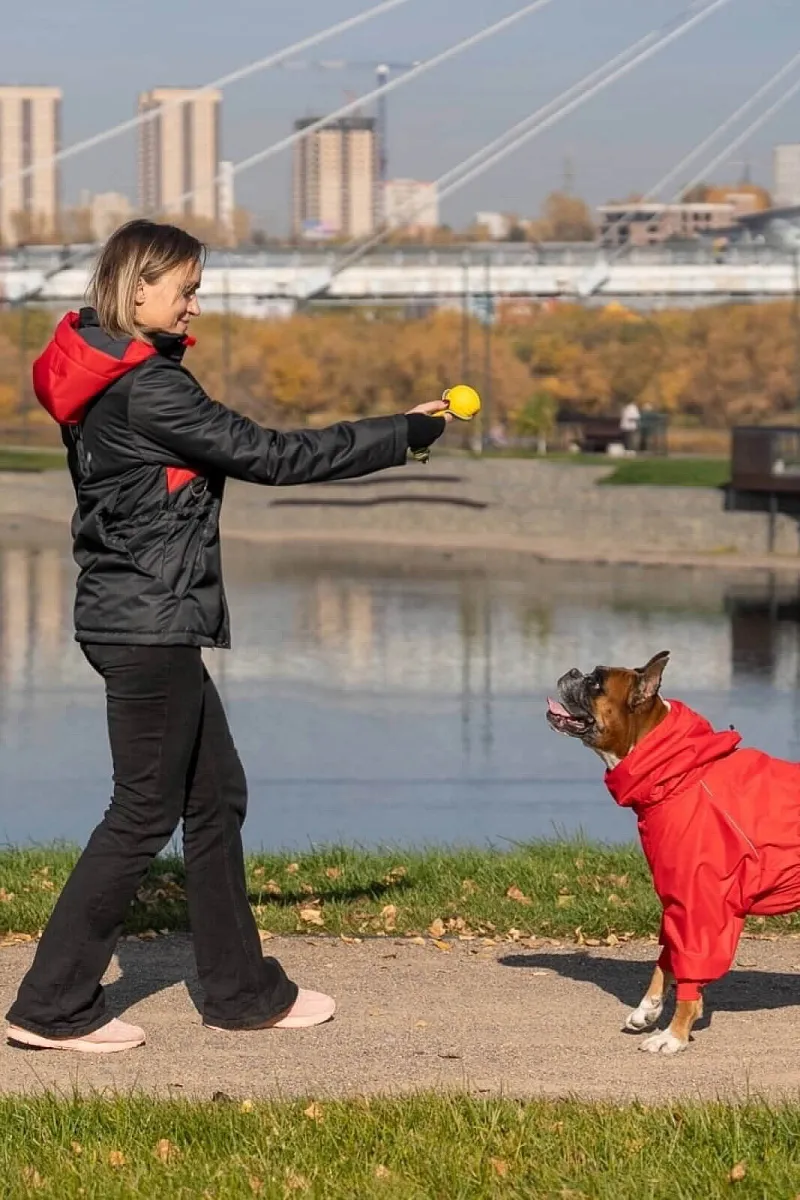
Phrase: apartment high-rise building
(30, 135)
(335, 179)
(786, 172)
(410, 205)
(179, 152)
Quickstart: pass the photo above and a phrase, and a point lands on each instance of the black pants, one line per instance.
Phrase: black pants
(173, 758)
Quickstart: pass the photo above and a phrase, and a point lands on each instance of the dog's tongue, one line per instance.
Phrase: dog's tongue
(556, 709)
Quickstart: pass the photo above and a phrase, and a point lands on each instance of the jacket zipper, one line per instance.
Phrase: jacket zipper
(730, 820)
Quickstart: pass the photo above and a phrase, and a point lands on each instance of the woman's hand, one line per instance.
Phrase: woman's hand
(430, 408)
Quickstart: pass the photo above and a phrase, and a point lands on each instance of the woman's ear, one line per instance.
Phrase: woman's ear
(139, 296)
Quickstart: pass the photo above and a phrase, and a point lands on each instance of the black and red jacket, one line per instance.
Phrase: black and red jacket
(149, 453)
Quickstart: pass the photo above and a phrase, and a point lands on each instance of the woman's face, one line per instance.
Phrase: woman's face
(168, 305)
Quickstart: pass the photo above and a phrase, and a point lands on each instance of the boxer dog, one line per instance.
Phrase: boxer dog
(719, 826)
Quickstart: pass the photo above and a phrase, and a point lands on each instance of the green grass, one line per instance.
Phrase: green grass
(670, 472)
(14, 459)
(416, 1148)
(548, 889)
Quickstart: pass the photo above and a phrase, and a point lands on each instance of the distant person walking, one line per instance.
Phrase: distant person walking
(149, 453)
(629, 426)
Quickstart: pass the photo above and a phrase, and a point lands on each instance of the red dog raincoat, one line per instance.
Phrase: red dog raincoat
(720, 829)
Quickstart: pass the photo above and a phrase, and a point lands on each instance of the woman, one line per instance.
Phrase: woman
(149, 453)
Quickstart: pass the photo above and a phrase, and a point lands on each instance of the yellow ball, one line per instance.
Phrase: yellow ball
(462, 401)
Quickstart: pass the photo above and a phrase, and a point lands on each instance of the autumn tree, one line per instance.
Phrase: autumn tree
(564, 218)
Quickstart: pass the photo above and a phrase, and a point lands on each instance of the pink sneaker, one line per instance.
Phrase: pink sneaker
(310, 1008)
(109, 1039)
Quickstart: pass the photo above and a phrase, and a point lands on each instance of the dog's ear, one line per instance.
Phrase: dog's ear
(648, 680)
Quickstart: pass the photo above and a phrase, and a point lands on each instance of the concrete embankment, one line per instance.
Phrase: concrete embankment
(550, 510)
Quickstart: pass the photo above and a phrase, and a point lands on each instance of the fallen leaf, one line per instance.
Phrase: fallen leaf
(351, 941)
(499, 1166)
(313, 1112)
(469, 887)
(147, 935)
(436, 928)
(416, 941)
(421, 1025)
(32, 1177)
(246, 1106)
(5, 896)
(292, 868)
(382, 1172)
(272, 888)
(116, 1158)
(514, 893)
(258, 872)
(76, 1148)
(442, 945)
(306, 889)
(565, 900)
(256, 1185)
(389, 915)
(333, 872)
(395, 875)
(296, 1182)
(738, 1172)
(166, 1151)
(612, 940)
(312, 916)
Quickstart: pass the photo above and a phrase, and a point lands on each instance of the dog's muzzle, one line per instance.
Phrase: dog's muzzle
(572, 713)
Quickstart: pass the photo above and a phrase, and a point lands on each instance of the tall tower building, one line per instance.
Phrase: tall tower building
(179, 153)
(786, 170)
(335, 179)
(30, 134)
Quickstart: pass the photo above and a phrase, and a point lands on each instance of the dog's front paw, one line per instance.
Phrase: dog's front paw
(663, 1042)
(646, 1015)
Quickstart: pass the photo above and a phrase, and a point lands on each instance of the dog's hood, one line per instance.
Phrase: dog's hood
(664, 761)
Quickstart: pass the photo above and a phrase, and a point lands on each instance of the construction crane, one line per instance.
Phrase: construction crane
(382, 72)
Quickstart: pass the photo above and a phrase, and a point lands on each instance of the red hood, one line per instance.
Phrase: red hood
(660, 764)
(70, 372)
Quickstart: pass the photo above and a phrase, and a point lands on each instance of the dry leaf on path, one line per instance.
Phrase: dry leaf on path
(389, 915)
(436, 928)
(442, 945)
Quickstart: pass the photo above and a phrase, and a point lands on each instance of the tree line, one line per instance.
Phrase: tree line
(715, 367)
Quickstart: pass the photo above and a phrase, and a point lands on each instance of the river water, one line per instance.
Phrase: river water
(388, 698)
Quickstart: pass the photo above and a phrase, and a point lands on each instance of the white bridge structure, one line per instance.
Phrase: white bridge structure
(276, 281)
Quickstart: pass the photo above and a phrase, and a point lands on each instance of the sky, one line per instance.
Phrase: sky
(103, 55)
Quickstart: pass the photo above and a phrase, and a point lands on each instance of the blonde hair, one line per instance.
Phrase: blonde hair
(138, 250)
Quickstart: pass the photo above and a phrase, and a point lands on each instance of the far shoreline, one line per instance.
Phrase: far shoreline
(472, 549)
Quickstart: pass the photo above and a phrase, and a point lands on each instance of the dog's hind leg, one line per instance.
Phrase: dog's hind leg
(651, 1005)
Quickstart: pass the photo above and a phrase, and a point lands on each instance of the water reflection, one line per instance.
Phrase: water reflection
(377, 699)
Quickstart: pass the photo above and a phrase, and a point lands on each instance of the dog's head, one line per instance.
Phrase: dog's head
(610, 709)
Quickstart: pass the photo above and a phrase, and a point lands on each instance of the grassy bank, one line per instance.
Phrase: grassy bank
(548, 889)
(415, 1148)
(670, 472)
(17, 459)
